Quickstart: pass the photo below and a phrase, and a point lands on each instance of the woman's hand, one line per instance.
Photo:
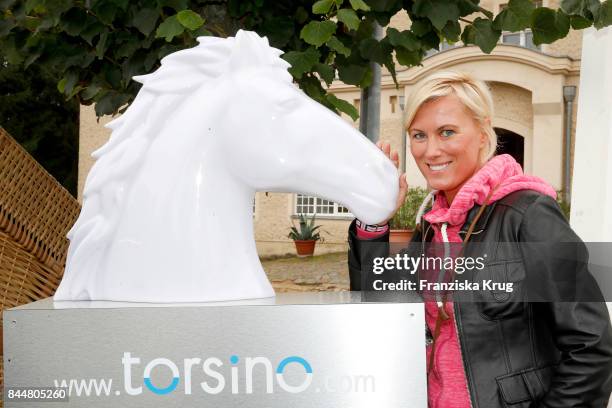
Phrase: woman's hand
(403, 184)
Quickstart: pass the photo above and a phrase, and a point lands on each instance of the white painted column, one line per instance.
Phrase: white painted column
(591, 215)
(592, 177)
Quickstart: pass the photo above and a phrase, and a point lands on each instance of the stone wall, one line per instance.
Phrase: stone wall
(92, 135)
(274, 215)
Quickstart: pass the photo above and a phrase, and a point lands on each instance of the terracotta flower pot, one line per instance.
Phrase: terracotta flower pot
(305, 248)
(398, 240)
(400, 235)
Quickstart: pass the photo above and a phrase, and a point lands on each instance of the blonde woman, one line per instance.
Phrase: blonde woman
(501, 351)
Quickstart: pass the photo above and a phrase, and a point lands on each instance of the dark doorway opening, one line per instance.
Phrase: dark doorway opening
(512, 144)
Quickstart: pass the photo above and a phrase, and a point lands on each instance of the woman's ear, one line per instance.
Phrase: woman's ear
(483, 135)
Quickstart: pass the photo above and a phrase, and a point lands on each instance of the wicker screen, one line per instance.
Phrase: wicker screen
(36, 212)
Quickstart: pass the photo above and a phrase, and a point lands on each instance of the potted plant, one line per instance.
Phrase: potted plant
(404, 221)
(306, 236)
(564, 205)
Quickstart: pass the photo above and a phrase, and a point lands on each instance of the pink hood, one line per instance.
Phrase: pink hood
(502, 170)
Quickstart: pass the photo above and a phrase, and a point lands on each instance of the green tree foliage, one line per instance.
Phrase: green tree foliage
(100, 44)
(34, 112)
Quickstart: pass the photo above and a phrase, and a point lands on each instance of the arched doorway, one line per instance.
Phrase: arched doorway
(512, 144)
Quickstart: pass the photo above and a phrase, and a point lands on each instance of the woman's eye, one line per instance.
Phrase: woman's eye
(448, 132)
(418, 136)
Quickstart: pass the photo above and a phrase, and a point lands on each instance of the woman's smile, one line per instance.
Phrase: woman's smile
(438, 167)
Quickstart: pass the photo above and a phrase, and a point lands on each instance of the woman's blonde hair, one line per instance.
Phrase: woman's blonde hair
(473, 93)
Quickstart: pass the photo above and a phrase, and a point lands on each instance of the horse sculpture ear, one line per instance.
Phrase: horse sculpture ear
(251, 50)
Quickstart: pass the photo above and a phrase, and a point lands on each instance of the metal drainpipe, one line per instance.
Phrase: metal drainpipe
(369, 112)
(569, 93)
(402, 105)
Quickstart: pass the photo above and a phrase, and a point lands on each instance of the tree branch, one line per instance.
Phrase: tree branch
(216, 29)
(112, 61)
(486, 12)
(482, 10)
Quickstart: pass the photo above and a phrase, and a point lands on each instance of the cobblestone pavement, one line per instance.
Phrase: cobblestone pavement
(327, 272)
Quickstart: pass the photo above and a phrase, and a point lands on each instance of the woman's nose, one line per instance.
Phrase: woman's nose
(433, 147)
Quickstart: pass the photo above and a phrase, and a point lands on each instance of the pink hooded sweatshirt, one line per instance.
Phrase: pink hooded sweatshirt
(447, 384)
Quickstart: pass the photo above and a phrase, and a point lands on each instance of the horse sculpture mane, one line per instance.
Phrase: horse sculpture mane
(119, 159)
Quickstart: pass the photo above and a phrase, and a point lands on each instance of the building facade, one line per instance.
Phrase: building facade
(527, 83)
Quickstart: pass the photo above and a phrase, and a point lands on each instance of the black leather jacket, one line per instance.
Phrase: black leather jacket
(525, 354)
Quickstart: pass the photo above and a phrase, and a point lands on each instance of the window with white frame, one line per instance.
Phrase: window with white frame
(310, 205)
(522, 38)
(443, 46)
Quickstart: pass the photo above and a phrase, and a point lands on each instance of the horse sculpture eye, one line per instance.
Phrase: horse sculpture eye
(289, 104)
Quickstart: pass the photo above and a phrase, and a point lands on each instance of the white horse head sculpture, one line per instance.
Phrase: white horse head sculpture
(167, 210)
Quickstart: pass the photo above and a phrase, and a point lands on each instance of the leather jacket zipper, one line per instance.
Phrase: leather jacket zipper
(468, 378)
(423, 238)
